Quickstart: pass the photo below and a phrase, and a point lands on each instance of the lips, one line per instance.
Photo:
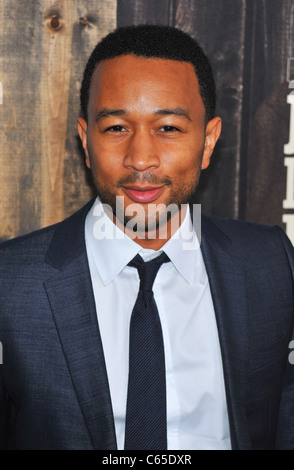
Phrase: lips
(139, 194)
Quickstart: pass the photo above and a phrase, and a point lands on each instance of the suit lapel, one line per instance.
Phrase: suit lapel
(228, 288)
(73, 307)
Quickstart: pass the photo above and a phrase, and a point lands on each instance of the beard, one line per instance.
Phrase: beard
(150, 217)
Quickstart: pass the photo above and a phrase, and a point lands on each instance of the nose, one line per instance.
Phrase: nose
(141, 152)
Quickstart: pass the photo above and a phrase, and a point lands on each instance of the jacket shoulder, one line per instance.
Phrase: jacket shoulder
(32, 248)
(28, 242)
(251, 239)
(237, 226)
(241, 229)
(23, 257)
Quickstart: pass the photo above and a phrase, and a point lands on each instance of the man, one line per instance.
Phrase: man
(181, 347)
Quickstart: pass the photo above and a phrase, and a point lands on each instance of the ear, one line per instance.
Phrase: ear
(213, 130)
(82, 130)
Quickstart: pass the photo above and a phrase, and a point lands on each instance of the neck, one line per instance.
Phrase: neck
(155, 239)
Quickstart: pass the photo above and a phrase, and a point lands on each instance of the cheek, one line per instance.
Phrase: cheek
(105, 161)
(185, 162)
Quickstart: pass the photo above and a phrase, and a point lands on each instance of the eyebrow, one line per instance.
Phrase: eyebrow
(174, 111)
(106, 112)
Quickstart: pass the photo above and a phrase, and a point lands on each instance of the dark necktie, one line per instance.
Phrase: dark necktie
(146, 402)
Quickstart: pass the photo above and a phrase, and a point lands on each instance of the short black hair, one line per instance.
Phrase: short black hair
(156, 41)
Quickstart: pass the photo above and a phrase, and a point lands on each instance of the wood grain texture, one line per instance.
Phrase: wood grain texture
(44, 46)
(20, 125)
(270, 42)
(93, 21)
(8, 223)
(143, 12)
(57, 36)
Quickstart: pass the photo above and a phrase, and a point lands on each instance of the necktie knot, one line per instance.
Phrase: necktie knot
(148, 270)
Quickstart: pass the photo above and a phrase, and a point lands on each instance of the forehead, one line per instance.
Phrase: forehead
(126, 80)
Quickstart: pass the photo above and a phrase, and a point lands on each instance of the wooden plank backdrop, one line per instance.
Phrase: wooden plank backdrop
(44, 45)
(271, 44)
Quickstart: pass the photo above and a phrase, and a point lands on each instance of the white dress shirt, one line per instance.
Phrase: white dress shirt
(197, 416)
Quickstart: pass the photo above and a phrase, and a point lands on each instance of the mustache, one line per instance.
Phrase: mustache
(138, 177)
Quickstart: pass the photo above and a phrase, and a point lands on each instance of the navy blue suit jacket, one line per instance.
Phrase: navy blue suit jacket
(54, 391)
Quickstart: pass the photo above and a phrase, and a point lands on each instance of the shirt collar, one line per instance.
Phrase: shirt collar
(111, 249)
(183, 249)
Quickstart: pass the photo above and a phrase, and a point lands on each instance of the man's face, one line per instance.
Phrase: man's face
(146, 138)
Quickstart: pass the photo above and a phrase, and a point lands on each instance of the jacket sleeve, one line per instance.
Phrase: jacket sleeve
(285, 430)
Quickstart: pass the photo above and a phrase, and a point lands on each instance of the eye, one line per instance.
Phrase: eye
(115, 129)
(169, 129)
